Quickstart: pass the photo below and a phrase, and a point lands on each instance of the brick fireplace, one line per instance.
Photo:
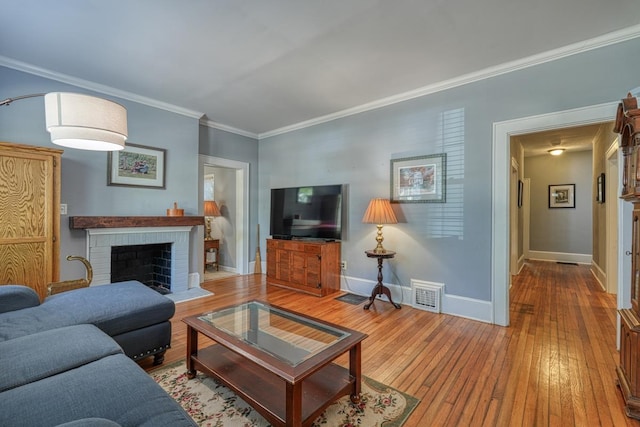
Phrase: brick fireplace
(104, 233)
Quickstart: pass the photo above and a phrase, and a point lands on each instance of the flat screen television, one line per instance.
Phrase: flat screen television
(313, 212)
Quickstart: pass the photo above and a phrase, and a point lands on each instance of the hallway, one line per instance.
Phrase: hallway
(564, 326)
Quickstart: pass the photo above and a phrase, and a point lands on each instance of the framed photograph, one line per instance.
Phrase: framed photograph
(520, 192)
(562, 196)
(600, 189)
(420, 179)
(137, 166)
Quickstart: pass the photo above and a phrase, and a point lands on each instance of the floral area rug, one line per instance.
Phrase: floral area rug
(211, 404)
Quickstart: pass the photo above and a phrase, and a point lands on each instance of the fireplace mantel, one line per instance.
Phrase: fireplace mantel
(87, 222)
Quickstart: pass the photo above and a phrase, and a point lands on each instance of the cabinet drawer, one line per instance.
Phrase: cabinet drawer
(313, 249)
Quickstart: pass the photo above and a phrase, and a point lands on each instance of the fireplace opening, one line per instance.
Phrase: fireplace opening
(149, 264)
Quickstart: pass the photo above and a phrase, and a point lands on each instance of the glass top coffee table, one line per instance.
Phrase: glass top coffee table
(278, 361)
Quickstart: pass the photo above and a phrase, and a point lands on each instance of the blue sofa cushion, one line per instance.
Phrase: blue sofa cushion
(34, 357)
(90, 422)
(114, 388)
(115, 308)
(17, 297)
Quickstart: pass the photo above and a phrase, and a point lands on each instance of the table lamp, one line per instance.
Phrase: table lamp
(379, 212)
(210, 209)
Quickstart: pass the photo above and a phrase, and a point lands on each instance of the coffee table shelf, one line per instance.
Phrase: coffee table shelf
(280, 362)
(265, 391)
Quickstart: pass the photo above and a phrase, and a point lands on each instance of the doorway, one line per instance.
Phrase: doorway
(240, 207)
(502, 133)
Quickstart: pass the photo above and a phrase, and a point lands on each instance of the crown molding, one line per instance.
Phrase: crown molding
(507, 67)
(220, 126)
(96, 87)
(552, 55)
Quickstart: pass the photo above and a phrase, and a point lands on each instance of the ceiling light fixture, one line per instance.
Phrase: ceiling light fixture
(556, 151)
(82, 121)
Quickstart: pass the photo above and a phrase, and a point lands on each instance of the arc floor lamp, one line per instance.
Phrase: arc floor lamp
(81, 121)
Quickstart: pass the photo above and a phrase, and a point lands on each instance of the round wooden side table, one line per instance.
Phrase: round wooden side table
(380, 288)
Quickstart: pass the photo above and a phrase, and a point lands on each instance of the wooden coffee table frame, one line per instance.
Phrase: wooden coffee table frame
(285, 395)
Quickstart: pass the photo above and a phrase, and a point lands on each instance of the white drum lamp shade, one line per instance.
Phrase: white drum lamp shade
(85, 122)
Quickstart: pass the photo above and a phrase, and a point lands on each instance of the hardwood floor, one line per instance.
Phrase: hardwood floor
(555, 364)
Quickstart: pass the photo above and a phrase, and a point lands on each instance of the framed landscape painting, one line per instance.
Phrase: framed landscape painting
(419, 179)
(137, 166)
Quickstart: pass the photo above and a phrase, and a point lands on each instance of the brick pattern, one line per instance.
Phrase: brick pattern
(100, 241)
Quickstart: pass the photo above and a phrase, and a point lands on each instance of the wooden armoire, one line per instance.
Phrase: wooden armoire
(628, 126)
(29, 215)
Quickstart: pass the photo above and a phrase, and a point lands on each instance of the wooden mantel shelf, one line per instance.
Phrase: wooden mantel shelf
(84, 222)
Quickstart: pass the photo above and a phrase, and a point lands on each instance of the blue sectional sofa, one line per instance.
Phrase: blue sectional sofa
(68, 361)
(135, 316)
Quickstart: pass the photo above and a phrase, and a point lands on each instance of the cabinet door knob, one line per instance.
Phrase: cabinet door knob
(627, 253)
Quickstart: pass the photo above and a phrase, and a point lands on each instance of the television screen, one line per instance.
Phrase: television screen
(313, 212)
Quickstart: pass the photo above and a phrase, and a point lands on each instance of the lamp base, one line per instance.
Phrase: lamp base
(207, 233)
(379, 249)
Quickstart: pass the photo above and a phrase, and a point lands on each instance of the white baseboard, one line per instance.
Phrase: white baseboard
(599, 275)
(451, 304)
(521, 262)
(560, 257)
(468, 308)
(252, 265)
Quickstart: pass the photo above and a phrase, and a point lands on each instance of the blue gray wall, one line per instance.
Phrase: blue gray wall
(84, 173)
(447, 243)
(356, 150)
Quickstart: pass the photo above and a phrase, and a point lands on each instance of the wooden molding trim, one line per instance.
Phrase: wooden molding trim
(84, 222)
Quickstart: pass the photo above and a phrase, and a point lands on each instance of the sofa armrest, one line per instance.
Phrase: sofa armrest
(17, 297)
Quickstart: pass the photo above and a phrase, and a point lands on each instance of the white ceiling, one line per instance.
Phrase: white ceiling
(261, 66)
(579, 138)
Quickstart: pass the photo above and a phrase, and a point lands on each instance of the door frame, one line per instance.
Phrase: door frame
(611, 216)
(514, 176)
(242, 207)
(502, 133)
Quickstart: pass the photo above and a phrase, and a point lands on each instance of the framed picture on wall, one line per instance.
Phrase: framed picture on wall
(137, 166)
(562, 196)
(600, 189)
(420, 179)
(520, 192)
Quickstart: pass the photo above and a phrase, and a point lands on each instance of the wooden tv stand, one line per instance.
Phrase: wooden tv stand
(311, 266)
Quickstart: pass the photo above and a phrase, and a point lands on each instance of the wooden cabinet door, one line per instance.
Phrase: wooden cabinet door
(635, 258)
(283, 264)
(305, 269)
(29, 216)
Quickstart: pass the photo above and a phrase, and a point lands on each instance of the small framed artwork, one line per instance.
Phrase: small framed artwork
(137, 166)
(520, 192)
(600, 189)
(562, 196)
(420, 179)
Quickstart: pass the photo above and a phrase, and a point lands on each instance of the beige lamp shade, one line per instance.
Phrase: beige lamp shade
(379, 212)
(85, 122)
(211, 208)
